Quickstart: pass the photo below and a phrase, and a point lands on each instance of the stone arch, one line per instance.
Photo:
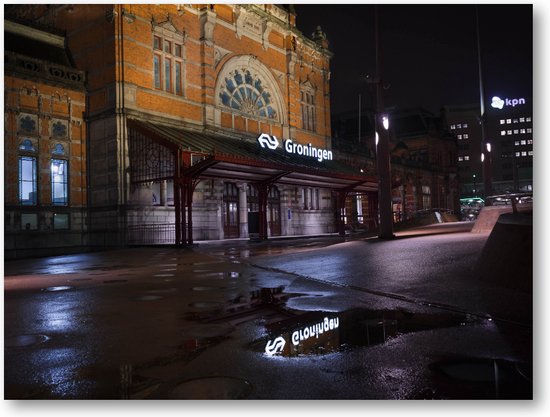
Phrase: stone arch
(247, 86)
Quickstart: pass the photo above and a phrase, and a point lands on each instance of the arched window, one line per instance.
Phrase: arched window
(244, 92)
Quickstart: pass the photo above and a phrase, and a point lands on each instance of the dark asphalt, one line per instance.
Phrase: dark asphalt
(414, 322)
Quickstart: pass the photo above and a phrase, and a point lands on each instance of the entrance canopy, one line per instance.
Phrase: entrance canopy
(214, 156)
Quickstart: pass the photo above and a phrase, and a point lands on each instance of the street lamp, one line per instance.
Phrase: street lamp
(475, 184)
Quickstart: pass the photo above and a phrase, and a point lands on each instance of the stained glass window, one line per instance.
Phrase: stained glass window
(245, 93)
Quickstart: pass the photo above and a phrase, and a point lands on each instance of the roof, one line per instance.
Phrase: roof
(245, 160)
(36, 44)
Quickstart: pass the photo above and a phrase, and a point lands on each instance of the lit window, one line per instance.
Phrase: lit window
(524, 153)
(508, 121)
(522, 119)
(453, 127)
(466, 158)
(523, 142)
(522, 131)
(515, 120)
(27, 180)
(530, 153)
(460, 159)
(509, 132)
(529, 130)
(502, 121)
(516, 143)
(503, 133)
(59, 175)
(465, 125)
(459, 136)
(466, 136)
(527, 119)
(516, 131)
(529, 141)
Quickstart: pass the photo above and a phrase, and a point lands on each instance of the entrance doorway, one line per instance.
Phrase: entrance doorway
(230, 216)
(274, 211)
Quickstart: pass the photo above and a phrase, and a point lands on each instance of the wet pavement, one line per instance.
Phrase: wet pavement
(312, 318)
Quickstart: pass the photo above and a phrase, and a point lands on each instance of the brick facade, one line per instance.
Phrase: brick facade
(43, 121)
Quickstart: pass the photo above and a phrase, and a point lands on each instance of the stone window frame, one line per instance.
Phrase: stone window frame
(308, 106)
(166, 34)
(28, 149)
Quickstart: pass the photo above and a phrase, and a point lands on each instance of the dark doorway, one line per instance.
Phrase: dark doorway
(230, 210)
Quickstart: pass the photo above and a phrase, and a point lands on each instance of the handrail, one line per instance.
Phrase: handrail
(514, 199)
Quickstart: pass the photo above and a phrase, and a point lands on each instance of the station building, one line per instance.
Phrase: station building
(423, 156)
(196, 122)
(45, 166)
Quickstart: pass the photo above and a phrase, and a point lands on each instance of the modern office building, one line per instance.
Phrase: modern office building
(509, 131)
(198, 122)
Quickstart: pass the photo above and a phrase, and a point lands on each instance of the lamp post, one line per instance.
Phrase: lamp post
(485, 145)
(475, 184)
(382, 148)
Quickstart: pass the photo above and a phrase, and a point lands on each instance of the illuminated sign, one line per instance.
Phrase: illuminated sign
(499, 103)
(303, 335)
(272, 143)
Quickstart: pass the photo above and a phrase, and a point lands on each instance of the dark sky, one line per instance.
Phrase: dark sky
(429, 52)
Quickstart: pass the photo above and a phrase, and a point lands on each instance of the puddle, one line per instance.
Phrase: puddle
(317, 333)
(25, 340)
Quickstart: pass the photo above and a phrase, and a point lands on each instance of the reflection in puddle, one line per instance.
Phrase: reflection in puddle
(25, 340)
(321, 332)
(59, 288)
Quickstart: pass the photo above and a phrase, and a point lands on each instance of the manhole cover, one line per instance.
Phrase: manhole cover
(212, 388)
(25, 340)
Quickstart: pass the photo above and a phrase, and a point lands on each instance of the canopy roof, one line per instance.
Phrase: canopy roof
(245, 160)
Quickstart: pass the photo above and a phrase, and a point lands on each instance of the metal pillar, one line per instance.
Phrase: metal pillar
(263, 191)
(382, 149)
